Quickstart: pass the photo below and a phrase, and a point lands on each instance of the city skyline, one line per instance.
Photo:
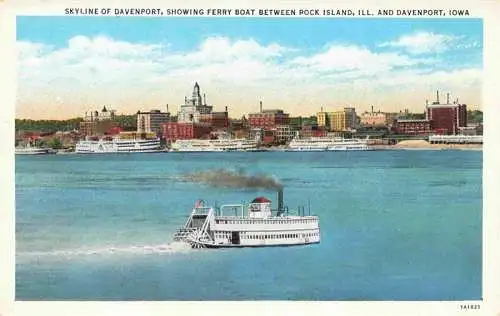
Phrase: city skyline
(70, 65)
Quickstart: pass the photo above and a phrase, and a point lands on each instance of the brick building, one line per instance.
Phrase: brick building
(173, 131)
(216, 119)
(312, 131)
(268, 119)
(377, 118)
(413, 127)
(446, 118)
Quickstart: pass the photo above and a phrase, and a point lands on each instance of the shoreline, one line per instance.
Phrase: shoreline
(425, 145)
(401, 146)
(429, 148)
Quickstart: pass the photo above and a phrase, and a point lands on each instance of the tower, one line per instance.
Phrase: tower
(196, 98)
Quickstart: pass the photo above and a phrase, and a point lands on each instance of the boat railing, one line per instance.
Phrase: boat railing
(201, 210)
(234, 207)
(183, 233)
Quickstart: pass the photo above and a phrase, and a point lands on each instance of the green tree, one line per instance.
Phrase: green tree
(127, 122)
(47, 125)
(55, 143)
(475, 116)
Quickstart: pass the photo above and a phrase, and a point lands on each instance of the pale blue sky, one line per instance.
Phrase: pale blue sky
(424, 46)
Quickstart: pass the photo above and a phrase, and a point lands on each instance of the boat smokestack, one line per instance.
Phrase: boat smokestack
(280, 200)
(447, 98)
(204, 99)
(260, 106)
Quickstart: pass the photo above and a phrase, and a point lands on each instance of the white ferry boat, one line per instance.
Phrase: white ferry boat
(32, 150)
(202, 145)
(118, 145)
(328, 144)
(228, 226)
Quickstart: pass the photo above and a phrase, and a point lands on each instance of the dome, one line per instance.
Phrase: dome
(261, 199)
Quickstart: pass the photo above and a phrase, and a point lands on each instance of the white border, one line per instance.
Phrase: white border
(488, 10)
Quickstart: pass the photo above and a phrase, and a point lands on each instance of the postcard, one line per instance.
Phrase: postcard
(293, 158)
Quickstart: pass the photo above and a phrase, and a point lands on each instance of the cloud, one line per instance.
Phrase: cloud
(424, 43)
(132, 76)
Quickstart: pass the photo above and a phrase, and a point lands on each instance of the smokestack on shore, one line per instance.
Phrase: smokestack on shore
(260, 106)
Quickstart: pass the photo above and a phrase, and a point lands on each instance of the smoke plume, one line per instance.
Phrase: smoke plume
(231, 179)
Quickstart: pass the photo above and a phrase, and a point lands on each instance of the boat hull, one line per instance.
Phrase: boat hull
(213, 246)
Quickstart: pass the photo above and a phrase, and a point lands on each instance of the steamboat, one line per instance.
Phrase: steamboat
(228, 225)
(204, 145)
(117, 145)
(327, 144)
(33, 150)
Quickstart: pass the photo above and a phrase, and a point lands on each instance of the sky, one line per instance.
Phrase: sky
(69, 65)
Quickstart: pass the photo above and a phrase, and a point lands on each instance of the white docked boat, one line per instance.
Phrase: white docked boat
(118, 145)
(328, 144)
(228, 226)
(203, 145)
(32, 150)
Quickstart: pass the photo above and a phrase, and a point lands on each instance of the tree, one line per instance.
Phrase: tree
(55, 143)
(475, 116)
(47, 125)
(127, 122)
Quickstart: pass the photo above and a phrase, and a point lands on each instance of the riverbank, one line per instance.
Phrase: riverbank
(424, 145)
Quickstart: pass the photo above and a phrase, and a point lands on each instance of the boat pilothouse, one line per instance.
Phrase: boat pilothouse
(261, 226)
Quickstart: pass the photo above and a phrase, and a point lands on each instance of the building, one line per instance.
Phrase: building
(256, 133)
(98, 123)
(194, 107)
(322, 119)
(268, 119)
(239, 124)
(446, 118)
(137, 135)
(377, 118)
(412, 127)
(312, 131)
(150, 122)
(284, 133)
(216, 119)
(173, 131)
(342, 120)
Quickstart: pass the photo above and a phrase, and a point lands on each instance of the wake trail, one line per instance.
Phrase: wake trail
(169, 248)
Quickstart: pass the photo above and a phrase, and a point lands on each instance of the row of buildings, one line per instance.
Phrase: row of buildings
(197, 119)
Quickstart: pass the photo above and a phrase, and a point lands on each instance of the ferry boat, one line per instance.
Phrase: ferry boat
(203, 145)
(328, 144)
(118, 145)
(227, 226)
(32, 150)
